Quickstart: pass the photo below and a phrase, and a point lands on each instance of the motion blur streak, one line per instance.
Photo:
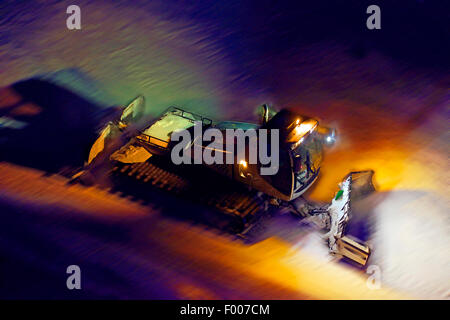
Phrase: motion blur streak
(31, 188)
(386, 92)
(189, 257)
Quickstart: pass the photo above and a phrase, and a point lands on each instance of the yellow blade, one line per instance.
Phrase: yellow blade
(99, 144)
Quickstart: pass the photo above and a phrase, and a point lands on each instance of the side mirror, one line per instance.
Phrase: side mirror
(266, 113)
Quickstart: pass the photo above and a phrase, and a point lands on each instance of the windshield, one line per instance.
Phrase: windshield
(307, 158)
(174, 119)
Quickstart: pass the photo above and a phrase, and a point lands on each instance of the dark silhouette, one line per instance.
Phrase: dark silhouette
(59, 135)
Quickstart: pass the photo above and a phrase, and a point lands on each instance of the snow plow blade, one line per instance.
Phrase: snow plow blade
(355, 185)
(362, 184)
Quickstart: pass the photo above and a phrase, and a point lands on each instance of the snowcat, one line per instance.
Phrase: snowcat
(238, 191)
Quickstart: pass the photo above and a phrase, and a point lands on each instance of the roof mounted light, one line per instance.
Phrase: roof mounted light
(301, 129)
(304, 127)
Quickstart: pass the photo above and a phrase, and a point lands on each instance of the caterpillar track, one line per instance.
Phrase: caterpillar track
(238, 206)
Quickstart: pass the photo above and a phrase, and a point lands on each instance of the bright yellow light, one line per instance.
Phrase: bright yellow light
(243, 163)
(297, 122)
(303, 128)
